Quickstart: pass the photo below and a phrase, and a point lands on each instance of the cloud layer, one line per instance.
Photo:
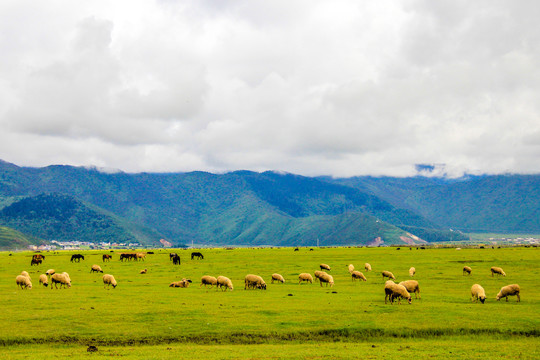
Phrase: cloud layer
(311, 87)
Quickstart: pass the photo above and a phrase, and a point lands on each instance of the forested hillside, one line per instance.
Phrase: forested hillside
(249, 208)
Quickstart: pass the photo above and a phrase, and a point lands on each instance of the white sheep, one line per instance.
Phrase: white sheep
(109, 280)
(66, 275)
(23, 281)
(478, 293)
(357, 275)
(399, 291)
(412, 271)
(367, 267)
(25, 273)
(412, 286)
(306, 277)
(254, 282)
(184, 283)
(143, 271)
(388, 290)
(324, 267)
(96, 268)
(351, 268)
(208, 280)
(278, 278)
(62, 279)
(509, 290)
(498, 271)
(388, 274)
(327, 279)
(317, 274)
(43, 279)
(467, 269)
(224, 283)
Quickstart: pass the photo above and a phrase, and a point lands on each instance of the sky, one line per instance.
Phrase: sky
(339, 88)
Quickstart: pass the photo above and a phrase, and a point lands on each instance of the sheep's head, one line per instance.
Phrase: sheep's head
(482, 299)
(499, 296)
(409, 299)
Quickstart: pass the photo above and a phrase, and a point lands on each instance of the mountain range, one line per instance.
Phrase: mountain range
(249, 208)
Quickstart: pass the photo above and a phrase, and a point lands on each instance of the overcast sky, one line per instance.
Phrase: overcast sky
(336, 88)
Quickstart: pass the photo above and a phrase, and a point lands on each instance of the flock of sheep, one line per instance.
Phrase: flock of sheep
(392, 290)
(25, 281)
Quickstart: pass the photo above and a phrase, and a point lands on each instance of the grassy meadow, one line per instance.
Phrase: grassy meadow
(144, 318)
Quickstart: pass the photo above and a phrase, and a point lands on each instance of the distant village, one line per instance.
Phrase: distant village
(78, 245)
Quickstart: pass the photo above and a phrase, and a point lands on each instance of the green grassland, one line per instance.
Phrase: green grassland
(144, 318)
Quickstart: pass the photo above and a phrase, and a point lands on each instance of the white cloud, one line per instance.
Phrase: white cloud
(311, 87)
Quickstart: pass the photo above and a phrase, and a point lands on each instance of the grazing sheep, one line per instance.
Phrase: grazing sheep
(254, 281)
(96, 268)
(208, 280)
(367, 267)
(23, 282)
(388, 274)
(327, 279)
(67, 275)
(50, 272)
(278, 278)
(62, 279)
(467, 269)
(25, 273)
(412, 271)
(509, 290)
(306, 277)
(317, 274)
(224, 283)
(498, 271)
(388, 290)
(109, 280)
(143, 271)
(184, 283)
(351, 268)
(478, 293)
(324, 267)
(412, 287)
(43, 279)
(398, 292)
(357, 275)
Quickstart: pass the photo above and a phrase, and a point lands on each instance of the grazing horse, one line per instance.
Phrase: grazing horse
(76, 257)
(38, 257)
(35, 262)
(128, 257)
(140, 256)
(197, 255)
(171, 255)
(107, 257)
(176, 260)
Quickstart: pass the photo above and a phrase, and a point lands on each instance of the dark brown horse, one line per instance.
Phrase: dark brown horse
(197, 255)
